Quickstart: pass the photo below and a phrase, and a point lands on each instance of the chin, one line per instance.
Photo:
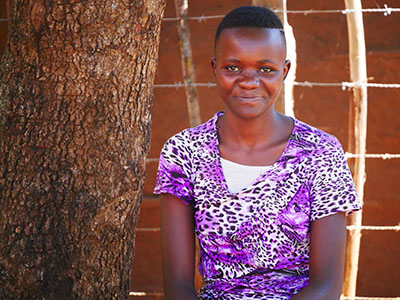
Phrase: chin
(250, 114)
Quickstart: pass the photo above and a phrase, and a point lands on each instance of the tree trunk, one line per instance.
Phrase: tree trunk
(75, 102)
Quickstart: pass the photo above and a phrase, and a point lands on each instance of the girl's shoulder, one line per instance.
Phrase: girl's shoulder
(315, 138)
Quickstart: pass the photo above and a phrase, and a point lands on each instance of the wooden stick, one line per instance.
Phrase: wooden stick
(181, 7)
(291, 54)
(357, 140)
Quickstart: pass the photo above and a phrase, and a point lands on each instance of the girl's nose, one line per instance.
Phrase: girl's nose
(249, 81)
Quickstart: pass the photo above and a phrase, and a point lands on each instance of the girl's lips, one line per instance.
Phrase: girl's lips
(249, 99)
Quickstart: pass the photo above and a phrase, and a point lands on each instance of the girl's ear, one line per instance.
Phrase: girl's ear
(286, 68)
(213, 66)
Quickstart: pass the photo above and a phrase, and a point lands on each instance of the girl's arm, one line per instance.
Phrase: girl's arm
(327, 254)
(178, 248)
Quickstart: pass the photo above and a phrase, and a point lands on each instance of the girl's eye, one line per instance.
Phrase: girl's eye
(265, 70)
(232, 68)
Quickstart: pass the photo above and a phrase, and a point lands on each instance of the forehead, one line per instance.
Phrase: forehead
(243, 38)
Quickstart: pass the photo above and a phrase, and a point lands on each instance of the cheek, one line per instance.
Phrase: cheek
(274, 84)
(225, 83)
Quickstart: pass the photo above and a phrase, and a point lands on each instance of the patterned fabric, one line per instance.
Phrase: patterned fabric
(255, 244)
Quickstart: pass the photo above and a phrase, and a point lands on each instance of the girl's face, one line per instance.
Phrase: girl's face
(250, 66)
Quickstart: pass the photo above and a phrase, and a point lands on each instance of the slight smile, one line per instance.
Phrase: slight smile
(249, 99)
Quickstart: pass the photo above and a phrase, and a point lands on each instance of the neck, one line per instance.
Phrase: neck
(249, 134)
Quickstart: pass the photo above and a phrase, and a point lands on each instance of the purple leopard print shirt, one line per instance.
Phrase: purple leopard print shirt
(255, 244)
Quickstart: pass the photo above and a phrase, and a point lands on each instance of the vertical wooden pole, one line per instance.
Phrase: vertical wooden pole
(357, 140)
(181, 7)
(291, 54)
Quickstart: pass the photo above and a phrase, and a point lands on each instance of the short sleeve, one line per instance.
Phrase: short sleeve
(174, 170)
(332, 187)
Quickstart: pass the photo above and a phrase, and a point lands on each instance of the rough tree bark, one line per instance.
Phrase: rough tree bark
(75, 102)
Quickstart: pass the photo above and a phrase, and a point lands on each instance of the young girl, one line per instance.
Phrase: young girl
(265, 194)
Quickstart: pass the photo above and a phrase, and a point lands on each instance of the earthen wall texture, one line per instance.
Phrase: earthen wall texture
(322, 56)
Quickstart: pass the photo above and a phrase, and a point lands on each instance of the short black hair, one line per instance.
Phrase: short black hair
(250, 17)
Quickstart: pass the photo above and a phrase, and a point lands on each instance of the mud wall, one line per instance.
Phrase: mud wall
(322, 56)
